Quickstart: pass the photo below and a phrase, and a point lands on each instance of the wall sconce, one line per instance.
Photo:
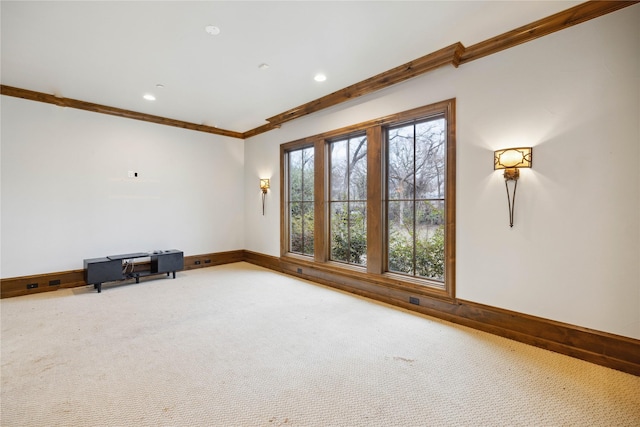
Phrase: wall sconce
(511, 160)
(264, 186)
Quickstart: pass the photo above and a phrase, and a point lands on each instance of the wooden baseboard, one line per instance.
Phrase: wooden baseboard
(610, 350)
(602, 348)
(25, 285)
(209, 260)
(267, 261)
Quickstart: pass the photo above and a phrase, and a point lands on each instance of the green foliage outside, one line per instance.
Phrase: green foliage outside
(345, 246)
(429, 255)
(352, 247)
(302, 242)
(301, 164)
(416, 179)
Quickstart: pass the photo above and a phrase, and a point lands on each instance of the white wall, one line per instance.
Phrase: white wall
(573, 254)
(66, 195)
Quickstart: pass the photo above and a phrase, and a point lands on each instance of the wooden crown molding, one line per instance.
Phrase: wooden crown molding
(455, 55)
(542, 27)
(98, 108)
(439, 58)
(259, 130)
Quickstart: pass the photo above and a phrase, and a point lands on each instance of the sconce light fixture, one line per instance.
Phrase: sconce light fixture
(511, 160)
(264, 186)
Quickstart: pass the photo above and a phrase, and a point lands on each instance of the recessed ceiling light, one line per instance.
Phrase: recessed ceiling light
(149, 97)
(263, 66)
(160, 86)
(320, 77)
(212, 30)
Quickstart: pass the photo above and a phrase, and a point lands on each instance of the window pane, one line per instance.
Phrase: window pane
(416, 184)
(349, 232)
(348, 180)
(400, 217)
(339, 232)
(430, 156)
(307, 172)
(358, 233)
(300, 185)
(400, 163)
(295, 175)
(295, 227)
(429, 213)
(430, 239)
(307, 225)
(339, 180)
(358, 168)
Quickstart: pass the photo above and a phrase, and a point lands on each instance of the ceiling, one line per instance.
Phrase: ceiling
(114, 52)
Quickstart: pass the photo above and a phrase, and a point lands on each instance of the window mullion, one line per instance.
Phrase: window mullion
(320, 194)
(302, 174)
(348, 183)
(415, 202)
(375, 166)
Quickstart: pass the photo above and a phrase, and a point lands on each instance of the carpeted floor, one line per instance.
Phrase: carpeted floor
(239, 345)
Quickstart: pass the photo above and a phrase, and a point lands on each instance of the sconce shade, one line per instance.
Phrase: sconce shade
(512, 158)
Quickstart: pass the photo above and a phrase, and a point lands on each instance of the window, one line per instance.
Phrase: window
(301, 203)
(375, 201)
(416, 198)
(348, 200)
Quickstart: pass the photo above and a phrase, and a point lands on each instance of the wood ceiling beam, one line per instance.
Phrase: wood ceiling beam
(97, 108)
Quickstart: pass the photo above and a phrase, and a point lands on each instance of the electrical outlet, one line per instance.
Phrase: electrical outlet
(197, 262)
(414, 300)
(299, 271)
(207, 261)
(54, 282)
(32, 285)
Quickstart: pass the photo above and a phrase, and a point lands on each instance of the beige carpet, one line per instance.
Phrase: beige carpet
(238, 345)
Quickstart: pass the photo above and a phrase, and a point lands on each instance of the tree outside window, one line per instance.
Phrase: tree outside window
(416, 198)
(379, 197)
(348, 200)
(301, 202)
